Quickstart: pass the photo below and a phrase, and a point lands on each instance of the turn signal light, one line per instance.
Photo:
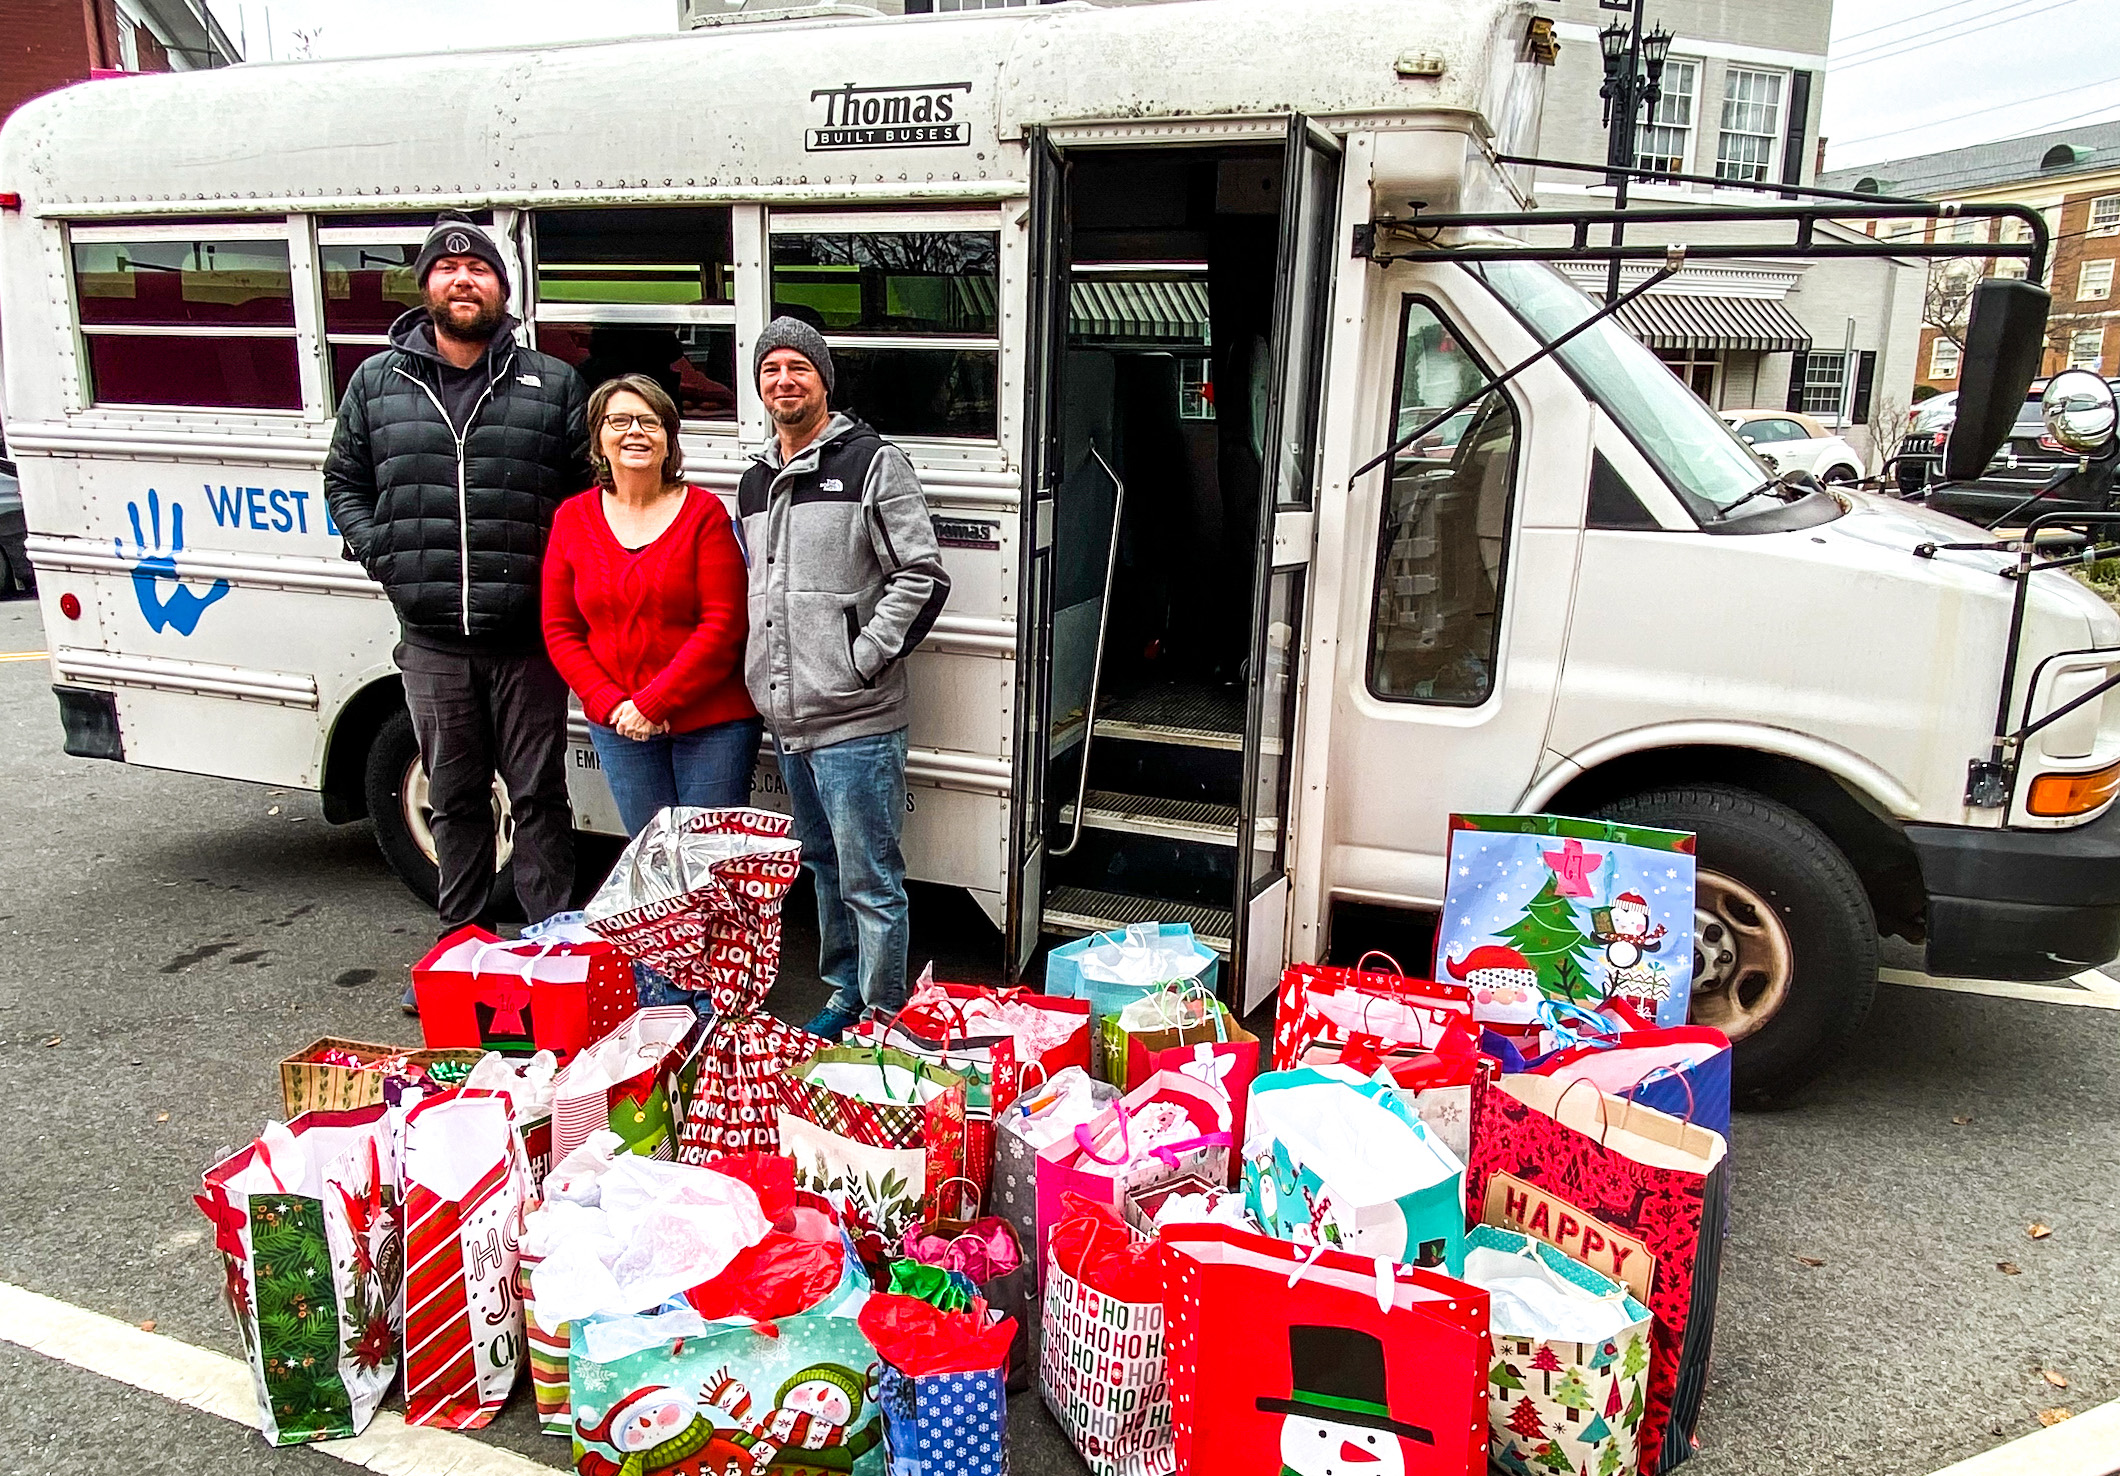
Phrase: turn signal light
(2073, 794)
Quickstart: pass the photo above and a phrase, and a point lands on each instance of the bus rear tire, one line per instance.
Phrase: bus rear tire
(1785, 944)
(401, 823)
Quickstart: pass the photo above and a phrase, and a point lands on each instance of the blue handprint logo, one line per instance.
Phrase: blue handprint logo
(182, 608)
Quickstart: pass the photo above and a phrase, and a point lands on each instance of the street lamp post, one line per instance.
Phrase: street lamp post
(1634, 76)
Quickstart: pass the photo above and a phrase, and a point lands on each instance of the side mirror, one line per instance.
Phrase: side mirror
(2004, 340)
(2079, 410)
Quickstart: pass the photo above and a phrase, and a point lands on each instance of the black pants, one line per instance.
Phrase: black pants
(479, 713)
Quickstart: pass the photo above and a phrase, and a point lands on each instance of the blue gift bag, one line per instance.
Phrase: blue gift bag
(1161, 954)
(953, 1424)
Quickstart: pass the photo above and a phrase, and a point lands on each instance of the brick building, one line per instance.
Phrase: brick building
(46, 44)
(2071, 177)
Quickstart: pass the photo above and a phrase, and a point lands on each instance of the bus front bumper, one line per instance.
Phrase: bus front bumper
(2020, 904)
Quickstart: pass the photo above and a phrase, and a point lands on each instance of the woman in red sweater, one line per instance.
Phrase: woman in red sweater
(645, 614)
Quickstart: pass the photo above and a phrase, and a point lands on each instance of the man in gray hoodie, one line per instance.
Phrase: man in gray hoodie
(846, 580)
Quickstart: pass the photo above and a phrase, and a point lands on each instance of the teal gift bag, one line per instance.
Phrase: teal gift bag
(1112, 970)
(1331, 1158)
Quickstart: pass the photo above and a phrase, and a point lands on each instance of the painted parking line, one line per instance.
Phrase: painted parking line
(25, 655)
(2087, 1445)
(220, 1385)
(2089, 989)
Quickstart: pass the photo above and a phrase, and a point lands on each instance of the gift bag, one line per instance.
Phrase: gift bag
(697, 896)
(940, 1386)
(1101, 1366)
(1049, 1032)
(1568, 1373)
(1112, 970)
(308, 1229)
(1634, 1194)
(1322, 1009)
(1196, 1037)
(675, 1391)
(1285, 1360)
(1037, 1119)
(1340, 1160)
(1169, 1126)
(465, 1187)
(877, 1133)
(1683, 1072)
(477, 991)
(1550, 907)
(608, 1007)
(338, 1075)
(989, 1252)
(626, 1083)
(944, 1036)
(544, 1341)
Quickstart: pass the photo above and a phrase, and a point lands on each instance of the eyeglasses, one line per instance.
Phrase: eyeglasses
(623, 423)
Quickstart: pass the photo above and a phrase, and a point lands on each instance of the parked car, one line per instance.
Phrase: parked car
(1920, 458)
(14, 535)
(1787, 441)
(2030, 461)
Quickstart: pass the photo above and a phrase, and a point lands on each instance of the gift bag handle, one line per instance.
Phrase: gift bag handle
(1529, 1251)
(1088, 1145)
(1397, 972)
(957, 1179)
(1167, 1153)
(1685, 1079)
(1603, 1116)
(505, 945)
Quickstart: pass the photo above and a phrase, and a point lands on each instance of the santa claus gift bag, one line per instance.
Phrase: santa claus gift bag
(307, 1226)
(1102, 1368)
(697, 897)
(1170, 1126)
(626, 1083)
(1190, 1033)
(466, 1183)
(1293, 1362)
(1545, 907)
(1635, 1194)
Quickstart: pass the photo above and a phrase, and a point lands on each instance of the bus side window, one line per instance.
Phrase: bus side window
(1436, 626)
(169, 320)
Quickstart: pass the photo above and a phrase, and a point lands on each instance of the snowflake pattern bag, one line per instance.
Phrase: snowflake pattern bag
(877, 1133)
(1636, 1195)
(953, 1424)
(697, 896)
(465, 1187)
(1548, 907)
(307, 1226)
(1568, 1374)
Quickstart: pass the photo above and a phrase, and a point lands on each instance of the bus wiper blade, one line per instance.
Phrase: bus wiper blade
(1788, 491)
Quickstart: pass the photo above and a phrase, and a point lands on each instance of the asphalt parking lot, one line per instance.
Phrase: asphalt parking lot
(165, 940)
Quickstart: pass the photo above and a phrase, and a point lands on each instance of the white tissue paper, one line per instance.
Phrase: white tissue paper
(658, 1230)
(1527, 1300)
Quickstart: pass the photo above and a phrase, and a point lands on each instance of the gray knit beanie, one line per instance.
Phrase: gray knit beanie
(793, 333)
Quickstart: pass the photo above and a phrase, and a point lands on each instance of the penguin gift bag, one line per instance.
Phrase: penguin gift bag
(1550, 910)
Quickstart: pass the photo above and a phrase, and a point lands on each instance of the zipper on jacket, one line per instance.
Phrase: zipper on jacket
(463, 508)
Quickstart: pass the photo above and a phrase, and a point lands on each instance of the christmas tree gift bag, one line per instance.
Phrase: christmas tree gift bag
(627, 1083)
(306, 1222)
(697, 896)
(1548, 907)
(1293, 1362)
(1633, 1193)
(1568, 1375)
(465, 1186)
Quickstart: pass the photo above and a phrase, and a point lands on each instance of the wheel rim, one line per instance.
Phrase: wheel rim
(1839, 477)
(1741, 956)
(417, 809)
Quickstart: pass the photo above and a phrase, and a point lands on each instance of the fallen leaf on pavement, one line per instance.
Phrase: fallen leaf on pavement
(2007, 1268)
(55, 1040)
(2054, 1416)
(148, 1326)
(161, 1117)
(2038, 1231)
(274, 810)
(1962, 1121)
(2059, 1381)
(1809, 1261)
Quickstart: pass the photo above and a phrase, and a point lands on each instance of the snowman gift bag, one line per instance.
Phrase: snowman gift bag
(1545, 910)
(1293, 1362)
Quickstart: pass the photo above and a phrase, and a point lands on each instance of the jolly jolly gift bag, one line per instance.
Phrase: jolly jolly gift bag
(1101, 1363)
(481, 992)
(627, 1083)
(877, 1133)
(697, 897)
(1543, 907)
(1293, 1362)
(1322, 1009)
(306, 1222)
(1632, 1193)
(465, 1187)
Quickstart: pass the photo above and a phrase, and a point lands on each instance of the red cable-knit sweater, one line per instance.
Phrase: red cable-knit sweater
(663, 624)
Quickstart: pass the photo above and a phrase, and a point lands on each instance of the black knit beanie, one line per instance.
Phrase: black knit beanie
(455, 234)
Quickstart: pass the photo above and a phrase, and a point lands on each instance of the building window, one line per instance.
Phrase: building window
(912, 317)
(1696, 366)
(2094, 281)
(1665, 143)
(1751, 124)
(1825, 381)
(2105, 216)
(643, 290)
(172, 321)
(2086, 350)
(1196, 390)
(1943, 359)
(2011, 266)
(1967, 230)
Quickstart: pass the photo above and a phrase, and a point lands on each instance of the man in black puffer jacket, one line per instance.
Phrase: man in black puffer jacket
(454, 446)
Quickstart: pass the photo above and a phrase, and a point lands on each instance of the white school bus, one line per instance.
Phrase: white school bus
(1123, 284)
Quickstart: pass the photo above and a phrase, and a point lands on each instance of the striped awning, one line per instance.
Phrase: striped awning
(1140, 312)
(1672, 320)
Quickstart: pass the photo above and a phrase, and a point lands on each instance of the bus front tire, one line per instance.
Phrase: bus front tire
(1785, 944)
(401, 823)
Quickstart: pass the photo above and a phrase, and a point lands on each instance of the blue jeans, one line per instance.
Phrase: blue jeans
(848, 801)
(708, 766)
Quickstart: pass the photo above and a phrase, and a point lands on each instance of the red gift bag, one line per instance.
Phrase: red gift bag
(1228, 1063)
(1285, 1358)
(1323, 1008)
(1047, 1032)
(479, 992)
(1632, 1193)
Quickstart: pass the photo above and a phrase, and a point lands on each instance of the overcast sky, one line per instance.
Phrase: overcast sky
(1906, 77)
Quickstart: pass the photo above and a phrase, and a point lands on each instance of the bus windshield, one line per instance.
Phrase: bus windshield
(1708, 466)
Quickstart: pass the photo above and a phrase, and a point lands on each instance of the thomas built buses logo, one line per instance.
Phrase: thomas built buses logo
(922, 116)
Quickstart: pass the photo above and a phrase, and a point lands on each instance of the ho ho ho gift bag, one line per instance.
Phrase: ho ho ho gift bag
(1101, 1357)
(307, 1227)
(1631, 1192)
(697, 896)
